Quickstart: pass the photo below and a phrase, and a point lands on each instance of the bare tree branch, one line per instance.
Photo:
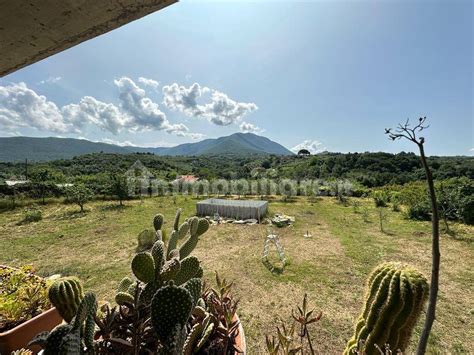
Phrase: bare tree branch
(410, 133)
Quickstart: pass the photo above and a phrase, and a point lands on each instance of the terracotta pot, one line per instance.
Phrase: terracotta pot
(240, 338)
(19, 336)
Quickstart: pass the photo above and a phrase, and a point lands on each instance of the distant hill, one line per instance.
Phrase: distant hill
(237, 143)
(50, 148)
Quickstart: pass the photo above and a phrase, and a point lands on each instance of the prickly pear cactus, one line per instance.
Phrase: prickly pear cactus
(203, 226)
(158, 221)
(123, 298)
(124, 284)
(143, 267)
(395, 297)
(194, 286)
(170, 309)
(189, 269)
(183, 230)
(146, 238)
(176, 219)
(158, 254)
(66, 294)
(173, 242)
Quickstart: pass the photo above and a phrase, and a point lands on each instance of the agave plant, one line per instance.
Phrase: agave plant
(288, 340)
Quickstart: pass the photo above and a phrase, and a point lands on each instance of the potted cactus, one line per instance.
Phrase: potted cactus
(162, 308)
(24, 307)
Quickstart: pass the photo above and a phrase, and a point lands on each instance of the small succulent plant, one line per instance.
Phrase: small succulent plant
(23, 295)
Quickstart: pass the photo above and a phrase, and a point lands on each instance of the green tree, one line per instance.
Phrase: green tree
(40, 179)
(79, 194)
(119, 187)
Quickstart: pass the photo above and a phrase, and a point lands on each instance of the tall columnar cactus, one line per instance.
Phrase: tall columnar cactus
(71, 338)
(395, 297)
(66, 294)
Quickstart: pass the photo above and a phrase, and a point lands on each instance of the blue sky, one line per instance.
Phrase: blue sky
(332, 74)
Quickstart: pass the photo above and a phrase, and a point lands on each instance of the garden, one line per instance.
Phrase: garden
(330, 250)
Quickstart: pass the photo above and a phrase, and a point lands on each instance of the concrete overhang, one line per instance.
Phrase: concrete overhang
(31, 30)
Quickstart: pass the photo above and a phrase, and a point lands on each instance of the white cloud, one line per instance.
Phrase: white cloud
(195, 136)
(220, 110)
(22, 107)
(130, 144)
(314, 146)
(51, 80)
(184, 99)
(144, 113)
(224, 111)
(250, 128)
(107, 117)
(115, 142)
(149, 82)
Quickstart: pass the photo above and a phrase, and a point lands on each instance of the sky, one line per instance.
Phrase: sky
(322, 75)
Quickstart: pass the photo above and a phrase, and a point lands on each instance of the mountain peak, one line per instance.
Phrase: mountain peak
(51, 148)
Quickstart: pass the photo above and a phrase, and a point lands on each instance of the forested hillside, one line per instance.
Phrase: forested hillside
(369, 169)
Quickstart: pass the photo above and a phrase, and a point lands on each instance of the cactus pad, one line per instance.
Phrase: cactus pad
(183, 230)
(170, 269)
(158, 254)
(146, 238)
(194, 286)
(203, 226)
(170, 309)
(123, 298)
(189, 269)
(124, 284)
(143, 267)
(193, 225)
(176, 219)
(158, 221)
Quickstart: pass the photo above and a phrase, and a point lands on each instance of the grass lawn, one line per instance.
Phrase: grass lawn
(331, 267)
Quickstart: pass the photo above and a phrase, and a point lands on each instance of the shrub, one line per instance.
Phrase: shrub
(31, 214)
(418, 211)
(380, 198)
(468, 212)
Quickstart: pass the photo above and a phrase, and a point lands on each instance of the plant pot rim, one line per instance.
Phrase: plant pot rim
(18, 337)
(28, 322)
(240, 338)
